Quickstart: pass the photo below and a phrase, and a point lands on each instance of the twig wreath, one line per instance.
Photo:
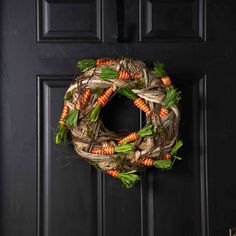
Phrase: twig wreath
(152, 91)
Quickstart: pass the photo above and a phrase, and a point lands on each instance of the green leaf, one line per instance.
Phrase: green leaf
(129, 178)
(108, 73)
(162, 164)
(94, 114)
(72, 118)
(61, 135)
(172, 97)
(176, 148)
(127, 92)
(145, 131)
(86, 64)
(159, 69)
(124, 148)
(178, 145)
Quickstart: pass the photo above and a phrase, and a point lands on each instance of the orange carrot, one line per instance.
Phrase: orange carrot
(123, 75)
(130, 138)
(142, 106)
(103, 151)
(167, 156)
(101, 101)
(146, 161)
(135, 75)
(113, 173)
(163, 112)
(77, 104)
(64, 113)
(61, 134)
(85, 97)
(166, 80)
(104, 62)
(144, 132)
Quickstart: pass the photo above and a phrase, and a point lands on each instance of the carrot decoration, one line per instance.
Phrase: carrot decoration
(175, 149)
(150, 162)
(138, 102)
(166, 80)
(72, 118)
(122, 148)
(165, 161)
(142, 106)
(160, 164)
(129, 138)
(159, 70)
(87, 64)
(167, 156)
(61, 134)
(144, 132)
(146, 161)
(128, 178)
(163, 112)
(104, 98)
(172, 97)
(101, 101)
(108, 73)
(104, 62)
(103, 151)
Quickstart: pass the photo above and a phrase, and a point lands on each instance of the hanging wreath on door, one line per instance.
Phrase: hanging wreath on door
(155, 144)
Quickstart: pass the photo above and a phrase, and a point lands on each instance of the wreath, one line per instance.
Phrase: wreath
(151, 90)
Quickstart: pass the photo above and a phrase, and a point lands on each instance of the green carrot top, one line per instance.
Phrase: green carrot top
(127, 92)
(159, 69)
(86, 64)
(175, 149)
(108, 73)
(172, 97)
(124, 148)
(145, 131)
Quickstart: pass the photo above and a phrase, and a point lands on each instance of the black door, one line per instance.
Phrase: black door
(46, 190)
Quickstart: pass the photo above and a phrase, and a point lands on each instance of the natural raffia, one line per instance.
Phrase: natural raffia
(152, 91)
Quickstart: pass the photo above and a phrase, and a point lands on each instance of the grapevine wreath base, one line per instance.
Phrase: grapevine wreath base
(152, 91)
